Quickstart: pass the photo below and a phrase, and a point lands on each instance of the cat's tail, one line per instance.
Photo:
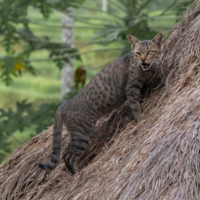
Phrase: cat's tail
(57, 141)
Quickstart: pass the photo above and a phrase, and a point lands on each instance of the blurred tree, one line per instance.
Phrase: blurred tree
(67, 79)
(13, 35)
(133, 17)
(104, 6)
(24, 116)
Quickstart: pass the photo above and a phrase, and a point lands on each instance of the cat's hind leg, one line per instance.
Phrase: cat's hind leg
(65, 154)
(77, 146)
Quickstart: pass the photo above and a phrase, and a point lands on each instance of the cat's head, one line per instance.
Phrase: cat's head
(146, 52)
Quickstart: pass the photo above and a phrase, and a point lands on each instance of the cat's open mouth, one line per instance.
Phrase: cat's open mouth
(145, 66)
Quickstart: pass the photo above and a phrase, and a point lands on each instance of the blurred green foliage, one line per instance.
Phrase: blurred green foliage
(182, 5)
(14, 35)
(21, 41)
(24, 116)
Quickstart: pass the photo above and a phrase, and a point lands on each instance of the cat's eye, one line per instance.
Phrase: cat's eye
(149, 52)
(138, 53)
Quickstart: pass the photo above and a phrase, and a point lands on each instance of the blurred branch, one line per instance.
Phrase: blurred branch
(94, 9)
(79, 44)
(121, 7)
(143, 6)
(163, 27)
(4, 153)
(94, 17)
(73, 54)
(169, 7)
(161, 7)
(101, 66)
(100, 26)
(164, 18)
(89, 43)
(16, 139)
(94, 25)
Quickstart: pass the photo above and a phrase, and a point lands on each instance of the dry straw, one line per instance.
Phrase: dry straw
(155, 159)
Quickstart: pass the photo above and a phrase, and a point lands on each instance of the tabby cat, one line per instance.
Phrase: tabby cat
(120, 81)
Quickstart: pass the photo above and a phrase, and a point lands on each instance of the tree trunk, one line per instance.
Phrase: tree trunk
(104, 6)
(67, 79)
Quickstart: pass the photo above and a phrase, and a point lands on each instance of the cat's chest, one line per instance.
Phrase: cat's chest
(140, 75)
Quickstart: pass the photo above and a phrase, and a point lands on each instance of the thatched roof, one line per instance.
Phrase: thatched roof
(159, 158)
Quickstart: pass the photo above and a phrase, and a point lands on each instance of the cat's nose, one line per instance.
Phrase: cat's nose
(143, 59)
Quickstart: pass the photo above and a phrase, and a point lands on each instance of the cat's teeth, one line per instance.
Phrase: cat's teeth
(145, 66)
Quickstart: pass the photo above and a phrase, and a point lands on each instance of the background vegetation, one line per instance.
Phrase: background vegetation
(31, 54)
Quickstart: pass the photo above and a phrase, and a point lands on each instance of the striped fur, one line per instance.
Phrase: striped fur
(122, 80)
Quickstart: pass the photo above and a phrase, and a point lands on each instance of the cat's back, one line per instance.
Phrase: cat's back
(106, 90)
(112, 75)
(110, 79)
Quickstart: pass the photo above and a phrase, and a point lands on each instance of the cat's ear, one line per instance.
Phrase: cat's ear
(133, 40)
(157, 39)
